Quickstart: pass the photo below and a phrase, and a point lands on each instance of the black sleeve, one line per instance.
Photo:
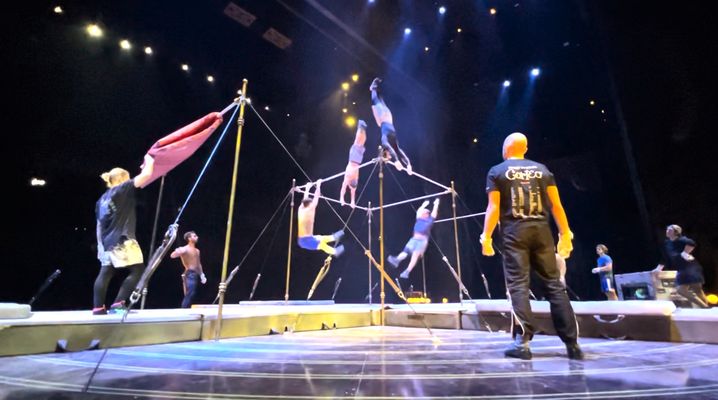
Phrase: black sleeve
(548, 177)
(688, 242)
(491, 184)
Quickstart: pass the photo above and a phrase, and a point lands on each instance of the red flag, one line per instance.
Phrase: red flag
(176, 147)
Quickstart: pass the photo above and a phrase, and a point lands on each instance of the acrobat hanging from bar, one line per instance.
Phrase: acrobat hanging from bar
(306, 238)
(416, 246)
(385, 120)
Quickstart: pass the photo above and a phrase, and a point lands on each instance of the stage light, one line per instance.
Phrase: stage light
(507, 83)
(535, 72)
(210, 78)
(185, 67)
(344, 110)
(345, 86)
(148, 50)
(37, 182)
(350, 121)
(58, 10)
(458, 30)
(354, 103)
(125, 44)
(266, 108)
(603, 111)
(444, 300)
(287, 115)
(712, 299)
(94, 30)
(492, 11)
(355, 78)
(407, 31)
(592, 102)
(475, 140)
(426, 48)
(442, 10)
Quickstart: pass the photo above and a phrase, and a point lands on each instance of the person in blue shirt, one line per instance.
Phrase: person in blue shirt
(604, 270)
(416, 246)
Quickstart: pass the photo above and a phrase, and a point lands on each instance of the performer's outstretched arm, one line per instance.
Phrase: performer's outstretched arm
(147, 167)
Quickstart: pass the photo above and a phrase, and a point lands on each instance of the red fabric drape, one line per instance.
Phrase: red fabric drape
(176, 147)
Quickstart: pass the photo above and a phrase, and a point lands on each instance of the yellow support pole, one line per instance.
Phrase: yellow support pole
(289, 245)
(225, 260)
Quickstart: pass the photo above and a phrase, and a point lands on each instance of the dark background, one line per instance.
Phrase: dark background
(639, 159)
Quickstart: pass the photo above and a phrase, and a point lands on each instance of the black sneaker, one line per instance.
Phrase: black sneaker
(118, 308)
(574, 352)
(99, 311)
(393, 261)
(518, 351)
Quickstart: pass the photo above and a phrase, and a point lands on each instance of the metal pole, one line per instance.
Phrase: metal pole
(381, 235)
(289, 244)
(423, 272)
(456, 240)
(228, 235)
(368, 213)
(154, 234)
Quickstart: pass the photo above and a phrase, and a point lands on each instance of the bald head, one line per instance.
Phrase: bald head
(515, 146)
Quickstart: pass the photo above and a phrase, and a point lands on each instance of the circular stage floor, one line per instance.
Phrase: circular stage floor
(374, 362)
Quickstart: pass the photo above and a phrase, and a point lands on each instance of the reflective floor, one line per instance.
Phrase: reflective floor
(372, 362)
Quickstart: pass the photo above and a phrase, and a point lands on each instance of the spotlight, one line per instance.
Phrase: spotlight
(492, 11)
(345, 86)
(458, 30)
(344, 110)
(266, 108)
(355, 78)
(58, 10)
(592, 102)
(507, 83)
(712, 299)
(37, 182)
(93, 30)
(148, 50)
(185, 67)
(426, 48)
(476, 140)
(535, 72)
(350, 121)
(125, 44)
(444, 300)
(442, 10)
(407, 31)
(210, 78)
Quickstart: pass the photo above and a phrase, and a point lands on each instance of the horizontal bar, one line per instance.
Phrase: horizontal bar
(299, 190)
(460, 217)
(430, 180)
(372, 161)
(414, 199)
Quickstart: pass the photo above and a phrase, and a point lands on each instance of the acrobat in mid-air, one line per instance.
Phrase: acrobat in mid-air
(416, 246)
(385, 120)
(356, 156)
(306, 238)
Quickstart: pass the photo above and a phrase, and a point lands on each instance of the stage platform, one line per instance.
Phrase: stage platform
(369, 363)
(46, 332)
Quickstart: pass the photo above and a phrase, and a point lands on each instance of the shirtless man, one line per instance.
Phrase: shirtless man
(356, 156)
(189, 254)
(306, 238)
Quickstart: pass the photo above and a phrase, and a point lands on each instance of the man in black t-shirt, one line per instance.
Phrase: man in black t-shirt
(117, 245)
(521, 192)
(677, 255)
